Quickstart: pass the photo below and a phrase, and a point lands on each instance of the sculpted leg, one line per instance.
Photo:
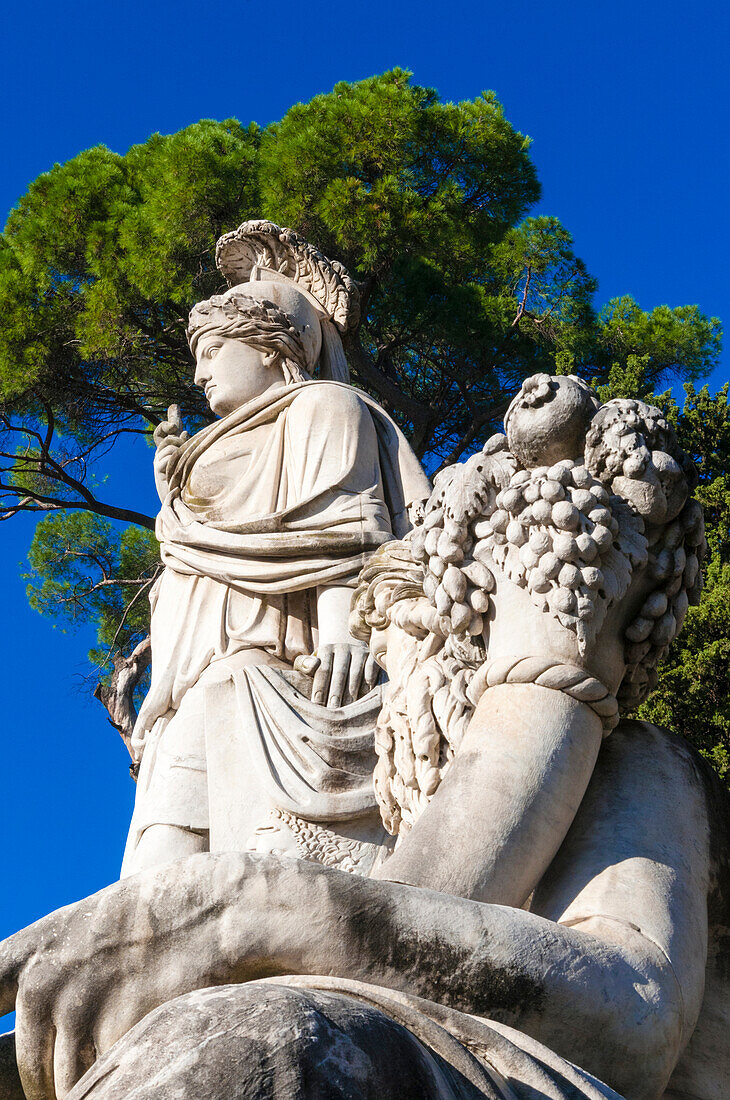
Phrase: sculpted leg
(163, 843)
(269, 1042)
(217, 919)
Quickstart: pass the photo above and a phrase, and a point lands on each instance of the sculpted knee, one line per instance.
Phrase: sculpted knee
(261, 1041)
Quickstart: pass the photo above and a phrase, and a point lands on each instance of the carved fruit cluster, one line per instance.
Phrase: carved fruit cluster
(455, 581)
(632, 448)
(556, 532)
(572, 534)
(676, 553)
(424, 716)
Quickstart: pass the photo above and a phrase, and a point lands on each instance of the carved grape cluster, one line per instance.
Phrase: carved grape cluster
(618, 438)
(425, 713)
(632, 448)
(676, 553)
(557, 532)
(571, 534)
(455, 581)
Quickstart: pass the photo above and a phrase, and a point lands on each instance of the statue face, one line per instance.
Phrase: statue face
(232, 373)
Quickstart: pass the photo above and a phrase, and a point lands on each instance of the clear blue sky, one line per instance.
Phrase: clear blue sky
(627, 105)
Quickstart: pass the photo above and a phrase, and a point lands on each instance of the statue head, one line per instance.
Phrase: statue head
(286, 301)
(236, 334)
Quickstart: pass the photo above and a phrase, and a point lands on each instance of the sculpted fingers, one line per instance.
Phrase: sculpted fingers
(307, 664)
(74, 1053)
(161, 432)
(164, 437)
(371, 672)
(10, 966)
(170, 428)
(343, 670)
(320, 684)
(174, 418)
(34, 1042)
(168, 447)
(340, 671)
(15, 954)
(358, 660)
(164, 456)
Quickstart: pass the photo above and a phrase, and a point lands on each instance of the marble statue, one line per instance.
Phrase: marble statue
(549, 916)
(267, 518)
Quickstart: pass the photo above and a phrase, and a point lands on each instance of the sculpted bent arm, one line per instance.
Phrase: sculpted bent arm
(509, 797)
(615, 993)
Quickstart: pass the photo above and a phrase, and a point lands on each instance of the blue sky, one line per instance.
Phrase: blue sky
(627, 105)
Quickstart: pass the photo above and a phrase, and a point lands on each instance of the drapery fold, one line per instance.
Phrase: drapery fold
(328, 478)
(289, 493)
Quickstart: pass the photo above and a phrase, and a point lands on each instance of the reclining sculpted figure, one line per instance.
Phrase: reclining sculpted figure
(549, 923)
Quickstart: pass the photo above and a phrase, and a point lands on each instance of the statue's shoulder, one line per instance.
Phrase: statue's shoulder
(329, 400)
(634, 740)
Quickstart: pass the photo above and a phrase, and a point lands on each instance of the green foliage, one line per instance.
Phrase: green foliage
(628, 379)
(101, 260)
(693, 694)
(425, 201)
(464, 294)
(679, 342)
(85, 569)
(381, 170)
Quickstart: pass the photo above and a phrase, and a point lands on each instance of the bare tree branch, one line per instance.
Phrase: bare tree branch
(388, 391)
(491, 412)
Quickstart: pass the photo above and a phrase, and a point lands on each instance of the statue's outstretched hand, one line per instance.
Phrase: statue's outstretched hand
(44, 977)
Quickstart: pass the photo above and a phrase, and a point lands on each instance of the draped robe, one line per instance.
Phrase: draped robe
(289, 493)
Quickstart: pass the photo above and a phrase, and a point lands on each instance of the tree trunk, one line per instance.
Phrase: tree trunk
(118, 695)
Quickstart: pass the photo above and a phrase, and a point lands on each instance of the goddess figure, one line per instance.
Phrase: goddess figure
(267, 517)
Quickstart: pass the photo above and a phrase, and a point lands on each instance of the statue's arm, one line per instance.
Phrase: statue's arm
(331, 459)
(85, 975)
(168, 437)
(508, 799)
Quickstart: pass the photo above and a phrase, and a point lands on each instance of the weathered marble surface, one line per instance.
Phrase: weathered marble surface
(550, 917)
(267, 517)
(605, 972)
(316, 1037)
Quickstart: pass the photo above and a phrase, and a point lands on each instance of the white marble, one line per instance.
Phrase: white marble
(550, 915)
(267, 517)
